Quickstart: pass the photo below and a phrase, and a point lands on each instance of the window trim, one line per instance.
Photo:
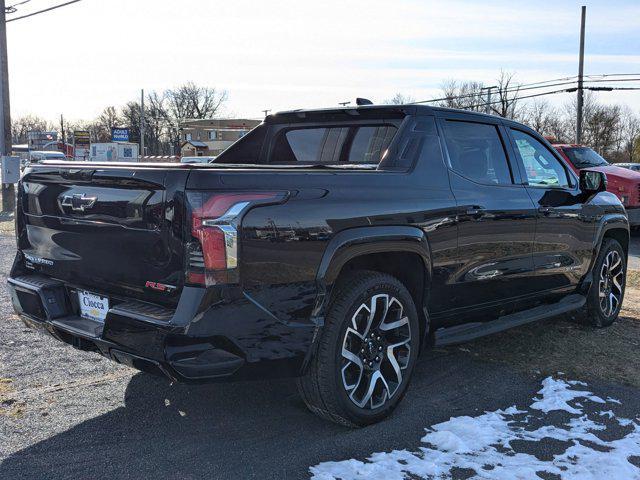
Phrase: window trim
(573, 180)
(440, 123)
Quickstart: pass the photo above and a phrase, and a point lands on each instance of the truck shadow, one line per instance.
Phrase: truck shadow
(256, 429)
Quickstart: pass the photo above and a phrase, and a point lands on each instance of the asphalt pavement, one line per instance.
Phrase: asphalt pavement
(71, 414)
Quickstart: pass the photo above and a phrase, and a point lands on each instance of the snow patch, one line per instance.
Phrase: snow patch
(556, 395)
(485, 445)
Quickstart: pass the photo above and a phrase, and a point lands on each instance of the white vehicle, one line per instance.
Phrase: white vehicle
(631, 166)
(38, 156)
(197, 159)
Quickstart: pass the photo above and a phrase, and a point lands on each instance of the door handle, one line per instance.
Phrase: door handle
(546, 210)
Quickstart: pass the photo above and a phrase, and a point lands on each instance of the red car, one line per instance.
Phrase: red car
(622, 182)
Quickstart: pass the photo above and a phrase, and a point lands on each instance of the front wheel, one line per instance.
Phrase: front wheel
(605, 297)
(366, 353)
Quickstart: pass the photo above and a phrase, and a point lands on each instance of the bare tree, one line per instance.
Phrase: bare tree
(547, 120)
(108, 119)
(630, 136)
(192, 101)
(188, 101)
(507, 101)
(465, 95)
(399, 99)
(21, 126)
(538, 114)
(601, 128)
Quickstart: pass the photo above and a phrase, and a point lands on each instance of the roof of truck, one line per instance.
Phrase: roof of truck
(406, 109)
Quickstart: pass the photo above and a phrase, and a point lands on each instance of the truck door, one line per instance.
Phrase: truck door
(496, 217)
(564, 233)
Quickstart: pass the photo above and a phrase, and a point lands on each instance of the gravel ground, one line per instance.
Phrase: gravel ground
(71, 414)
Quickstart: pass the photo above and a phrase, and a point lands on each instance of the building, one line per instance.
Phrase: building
(209, 137)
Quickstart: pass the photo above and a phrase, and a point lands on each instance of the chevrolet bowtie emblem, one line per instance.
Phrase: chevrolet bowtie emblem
(78, 202)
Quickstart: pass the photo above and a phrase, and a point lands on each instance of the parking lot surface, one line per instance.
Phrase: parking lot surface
(71, 414)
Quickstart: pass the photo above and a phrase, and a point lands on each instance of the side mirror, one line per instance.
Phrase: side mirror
(592, 182)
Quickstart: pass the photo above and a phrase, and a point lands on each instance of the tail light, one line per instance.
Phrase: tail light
(212, 251)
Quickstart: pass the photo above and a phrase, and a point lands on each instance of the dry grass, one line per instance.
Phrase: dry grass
(560, 345)
(9, 407)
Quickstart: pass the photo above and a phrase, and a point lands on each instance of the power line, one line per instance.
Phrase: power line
(564, 90)
(519, 88)
(19, 3)
(43, 11)
(603, 75)
(12, 8)
(531, 86)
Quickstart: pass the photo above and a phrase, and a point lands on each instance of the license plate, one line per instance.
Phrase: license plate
(92, 306)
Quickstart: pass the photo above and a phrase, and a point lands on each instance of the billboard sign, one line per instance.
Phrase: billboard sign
(81, 138)
(119, 134)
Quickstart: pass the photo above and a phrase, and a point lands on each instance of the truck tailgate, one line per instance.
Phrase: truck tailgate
(113, 230)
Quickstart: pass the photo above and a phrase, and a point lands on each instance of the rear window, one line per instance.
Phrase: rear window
(365, 144)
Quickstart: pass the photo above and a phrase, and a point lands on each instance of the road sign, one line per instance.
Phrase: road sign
(119, 134)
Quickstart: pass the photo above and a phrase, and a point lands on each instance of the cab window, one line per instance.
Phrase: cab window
(477, 153)
(542, 168)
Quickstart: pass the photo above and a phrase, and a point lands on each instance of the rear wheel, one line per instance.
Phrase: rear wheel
(366, 353)
(607, 292)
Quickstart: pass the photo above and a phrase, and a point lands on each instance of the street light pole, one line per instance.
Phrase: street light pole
(580, 78)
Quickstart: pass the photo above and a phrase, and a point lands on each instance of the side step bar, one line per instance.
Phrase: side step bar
(471, 331)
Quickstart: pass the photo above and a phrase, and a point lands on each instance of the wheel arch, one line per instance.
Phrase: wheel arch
(616, 226)
(401, 251)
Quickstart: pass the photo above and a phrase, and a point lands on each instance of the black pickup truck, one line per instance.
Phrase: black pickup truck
(329, 245)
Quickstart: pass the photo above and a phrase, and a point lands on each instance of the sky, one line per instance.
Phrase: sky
(285, 54)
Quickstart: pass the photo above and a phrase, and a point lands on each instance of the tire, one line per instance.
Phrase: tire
(606, 294)
(344, 366)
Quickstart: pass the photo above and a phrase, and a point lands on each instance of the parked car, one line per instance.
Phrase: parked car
(622, 182)
(631, 166)
(39, 156)
(329, 245)
(197, 159)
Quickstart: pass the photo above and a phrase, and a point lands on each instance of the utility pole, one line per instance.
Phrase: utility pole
(64, 138)
(142, 123)
(266, 112)
(5, 115)
(8, 190)
(487, 106)
(581, 78)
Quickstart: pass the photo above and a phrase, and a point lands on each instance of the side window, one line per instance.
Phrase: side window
(476, 152)
(542, 168)
(333, 145)
(305, 144)
(370, 143)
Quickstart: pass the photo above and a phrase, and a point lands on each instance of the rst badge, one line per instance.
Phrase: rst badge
(160, 287)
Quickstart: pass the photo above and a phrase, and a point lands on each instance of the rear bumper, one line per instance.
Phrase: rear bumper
(194, 343)
(633, 214)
